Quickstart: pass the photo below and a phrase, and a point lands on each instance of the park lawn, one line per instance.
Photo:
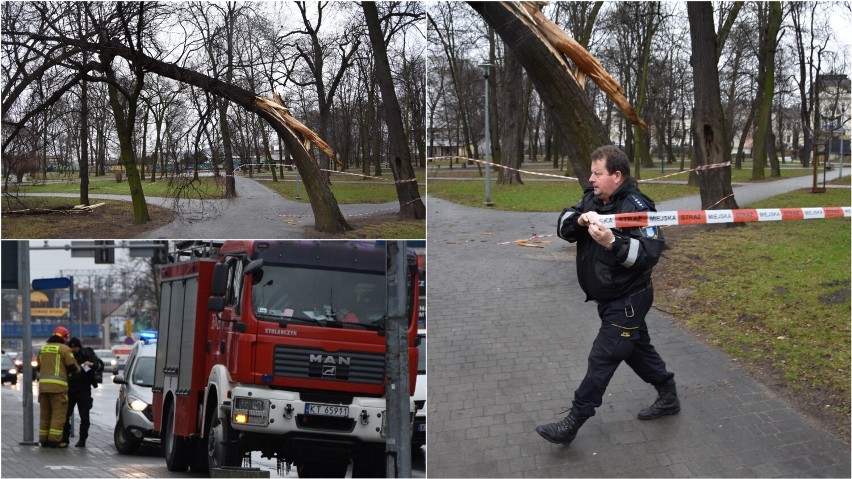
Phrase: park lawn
(536, 196)
(205, 187)
(775, 296)
(113, 220)
(345, 190)
(441, 169)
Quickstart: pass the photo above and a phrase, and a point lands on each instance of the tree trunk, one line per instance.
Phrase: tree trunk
(766, 85)
(84, 143)
(512, 131)
(410, 204)
(710, 144)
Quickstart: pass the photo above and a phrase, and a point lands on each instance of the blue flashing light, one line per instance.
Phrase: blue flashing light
(147, 335)
(267, 378)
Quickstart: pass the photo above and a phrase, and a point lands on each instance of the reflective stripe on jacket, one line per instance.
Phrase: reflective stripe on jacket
(55, 360)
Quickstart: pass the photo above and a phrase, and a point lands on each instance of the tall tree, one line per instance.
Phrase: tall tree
(410, 204)
(770, 19)
(708, 120)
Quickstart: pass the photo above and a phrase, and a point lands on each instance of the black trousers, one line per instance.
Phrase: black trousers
(82, 399)
(623, 336)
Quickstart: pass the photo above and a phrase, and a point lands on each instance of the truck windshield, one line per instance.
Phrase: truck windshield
(328, 298)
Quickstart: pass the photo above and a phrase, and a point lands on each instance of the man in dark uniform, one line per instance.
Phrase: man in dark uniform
(55, 363)
(614, 270)
(80, 389)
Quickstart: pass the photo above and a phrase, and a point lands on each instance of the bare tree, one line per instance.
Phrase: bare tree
(410, 204)
(708, 121)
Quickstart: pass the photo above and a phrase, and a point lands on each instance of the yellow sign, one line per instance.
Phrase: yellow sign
(52, 312)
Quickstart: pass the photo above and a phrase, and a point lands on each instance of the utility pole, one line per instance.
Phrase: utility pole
(27, 381)
(398, 445)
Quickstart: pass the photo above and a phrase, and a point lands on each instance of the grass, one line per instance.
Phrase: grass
(440, 169)
(205, 187)
(775, 296)
(346, 189)
(112, 220)
(536, 196)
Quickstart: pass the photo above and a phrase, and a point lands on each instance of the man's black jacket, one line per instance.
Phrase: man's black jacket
(607, 275)
(85, 379)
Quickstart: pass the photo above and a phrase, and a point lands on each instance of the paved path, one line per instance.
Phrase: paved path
(256, 212)
(509, 338)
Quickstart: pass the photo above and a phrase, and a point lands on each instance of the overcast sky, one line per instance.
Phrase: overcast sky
(55, 263)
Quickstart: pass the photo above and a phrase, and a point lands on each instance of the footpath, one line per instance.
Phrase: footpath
(509, 339)
(256, 212)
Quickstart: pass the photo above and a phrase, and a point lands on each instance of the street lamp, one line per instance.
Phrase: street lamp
(486, 70)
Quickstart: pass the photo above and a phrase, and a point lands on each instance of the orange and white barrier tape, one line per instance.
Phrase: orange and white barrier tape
(701, 217)
(562, 177)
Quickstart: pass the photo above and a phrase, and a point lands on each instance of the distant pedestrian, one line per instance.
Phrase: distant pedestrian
(614, 270)
(55, 363)
(80, 389)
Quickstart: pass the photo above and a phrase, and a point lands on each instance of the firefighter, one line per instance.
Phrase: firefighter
(55, 363)
(614, 270)
(80, 389)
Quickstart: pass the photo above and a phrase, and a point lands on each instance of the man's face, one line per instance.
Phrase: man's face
(604, 184)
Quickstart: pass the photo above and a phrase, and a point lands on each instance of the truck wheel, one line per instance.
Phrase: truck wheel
(221, 452)
(322, 469)
(176, 448)
(123, 443)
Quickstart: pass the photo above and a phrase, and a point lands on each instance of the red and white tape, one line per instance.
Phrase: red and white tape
(701, 217)
(698, 169)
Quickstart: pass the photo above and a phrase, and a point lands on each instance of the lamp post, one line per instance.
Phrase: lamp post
(486, 70)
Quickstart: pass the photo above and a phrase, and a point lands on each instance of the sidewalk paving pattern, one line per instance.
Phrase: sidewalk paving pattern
(254, 213)
(509, 339)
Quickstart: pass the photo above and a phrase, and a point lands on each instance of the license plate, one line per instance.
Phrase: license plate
(326, 410)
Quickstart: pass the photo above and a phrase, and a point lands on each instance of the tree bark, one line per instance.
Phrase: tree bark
(710, 144)
(512, 132)
(410, 204)
(766, 86)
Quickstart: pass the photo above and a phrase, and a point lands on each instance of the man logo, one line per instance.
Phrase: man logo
(326, 366)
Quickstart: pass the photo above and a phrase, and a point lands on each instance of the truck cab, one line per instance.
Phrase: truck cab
(279, 347)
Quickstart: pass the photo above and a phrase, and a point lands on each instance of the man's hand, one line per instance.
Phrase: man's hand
(600, 233)
(587, 218)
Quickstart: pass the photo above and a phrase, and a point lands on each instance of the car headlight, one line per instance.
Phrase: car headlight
(34, 364)
(136, 404)
(13, 371)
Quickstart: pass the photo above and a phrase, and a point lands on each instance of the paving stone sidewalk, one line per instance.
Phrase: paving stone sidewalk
(509, 339)
(257, 212)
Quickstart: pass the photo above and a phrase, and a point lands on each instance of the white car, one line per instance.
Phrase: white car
(109, 359)
(418, 438)
(134, 420)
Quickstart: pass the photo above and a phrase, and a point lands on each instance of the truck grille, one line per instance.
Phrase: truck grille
(313, 363)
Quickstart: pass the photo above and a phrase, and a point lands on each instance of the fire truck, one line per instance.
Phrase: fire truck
(277, 347)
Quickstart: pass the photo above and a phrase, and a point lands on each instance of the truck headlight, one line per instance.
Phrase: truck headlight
(250, 411)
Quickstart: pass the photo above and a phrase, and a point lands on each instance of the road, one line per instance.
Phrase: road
(99, 458)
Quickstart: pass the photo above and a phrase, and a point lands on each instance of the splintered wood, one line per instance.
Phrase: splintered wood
(298, 129)
(47, 211)
(558, 41)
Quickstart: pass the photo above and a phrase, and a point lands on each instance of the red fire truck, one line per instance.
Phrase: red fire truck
(277, 347)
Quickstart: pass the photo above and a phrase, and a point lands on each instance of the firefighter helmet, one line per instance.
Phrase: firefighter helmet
(61, 332)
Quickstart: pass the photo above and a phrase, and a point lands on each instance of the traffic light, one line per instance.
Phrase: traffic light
(104, 252)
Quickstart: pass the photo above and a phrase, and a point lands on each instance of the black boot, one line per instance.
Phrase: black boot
(666, 403)
(81, 442)
(564, 431)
